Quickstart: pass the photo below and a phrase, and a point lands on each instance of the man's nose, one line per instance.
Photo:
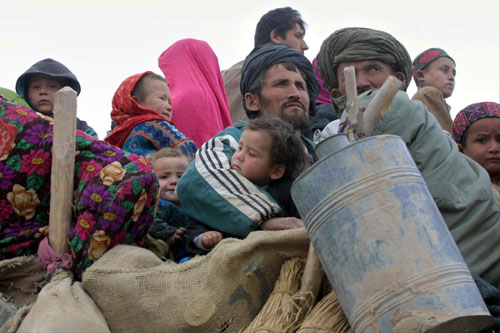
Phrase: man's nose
(304, 46)
(362, 82)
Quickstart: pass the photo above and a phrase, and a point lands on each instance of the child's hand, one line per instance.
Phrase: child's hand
(210, 239)
(177, 236)
(282, 223)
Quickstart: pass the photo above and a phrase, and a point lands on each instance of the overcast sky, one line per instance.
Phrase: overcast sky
(103, 42)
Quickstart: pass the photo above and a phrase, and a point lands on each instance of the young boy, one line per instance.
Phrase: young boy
(41, 81)
(270, 155)
(476, 129)
(170, 223)
(141, 117)
(434, 74)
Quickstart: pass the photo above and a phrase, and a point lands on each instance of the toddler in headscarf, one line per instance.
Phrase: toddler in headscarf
(476, 130)
(141, 117)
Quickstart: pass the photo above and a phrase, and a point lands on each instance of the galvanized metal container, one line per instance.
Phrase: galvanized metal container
(383, 243)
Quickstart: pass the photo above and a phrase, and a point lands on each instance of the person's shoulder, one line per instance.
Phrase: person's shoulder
(236, 67)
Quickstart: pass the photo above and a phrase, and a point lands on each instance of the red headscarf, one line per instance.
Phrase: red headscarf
(199, 101)
(127, 113)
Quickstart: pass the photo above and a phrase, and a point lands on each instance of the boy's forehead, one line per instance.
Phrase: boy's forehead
(42, 78)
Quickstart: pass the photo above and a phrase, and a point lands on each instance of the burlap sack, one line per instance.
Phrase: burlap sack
(222, 291)
(63, 306)
(22, 278)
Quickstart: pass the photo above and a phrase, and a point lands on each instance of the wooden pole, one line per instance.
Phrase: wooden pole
(63, 165)
(313, 274)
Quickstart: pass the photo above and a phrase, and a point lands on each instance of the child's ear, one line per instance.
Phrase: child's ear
(419, 78)
(460, 147)
(277, 171)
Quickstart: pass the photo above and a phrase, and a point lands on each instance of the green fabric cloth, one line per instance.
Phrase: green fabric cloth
(460, 187)
(360, 44)
(214, 194)
(13, 97)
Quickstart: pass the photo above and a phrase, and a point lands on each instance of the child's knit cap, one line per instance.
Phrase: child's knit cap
(470, 114)
(425, 58)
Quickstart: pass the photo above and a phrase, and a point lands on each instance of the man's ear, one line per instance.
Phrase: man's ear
(335, 93)
(252, 102)
(277, 171)
(400, 76)
(275, 37)
(460, 147)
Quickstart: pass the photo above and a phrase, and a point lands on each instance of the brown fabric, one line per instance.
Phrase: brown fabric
(232, 77)
(22, 278)
(433, 100)
(222, 291)
(63, 306)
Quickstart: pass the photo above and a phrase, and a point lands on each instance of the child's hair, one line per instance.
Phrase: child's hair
(167, 152)
(286, 148)
(469, 115)
(140, 91)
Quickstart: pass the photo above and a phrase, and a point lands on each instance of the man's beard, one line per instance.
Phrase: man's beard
(299, 120)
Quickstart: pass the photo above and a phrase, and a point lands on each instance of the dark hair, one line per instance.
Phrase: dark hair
(140, 91)
(256, 87)
(279, 19)
(287, 147)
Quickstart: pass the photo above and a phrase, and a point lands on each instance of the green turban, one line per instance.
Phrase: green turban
(360, 44)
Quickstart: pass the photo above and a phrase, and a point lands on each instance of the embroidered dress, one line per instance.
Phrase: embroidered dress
(114, 191)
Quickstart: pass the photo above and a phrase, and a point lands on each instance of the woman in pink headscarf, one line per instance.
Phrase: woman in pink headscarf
(199, 100)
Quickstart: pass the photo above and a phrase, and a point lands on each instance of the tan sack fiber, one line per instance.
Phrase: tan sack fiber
(63, 306)
(222, 291)
(22, 278)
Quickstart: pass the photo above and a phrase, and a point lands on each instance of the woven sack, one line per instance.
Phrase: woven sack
(222, 291)
(63, 306)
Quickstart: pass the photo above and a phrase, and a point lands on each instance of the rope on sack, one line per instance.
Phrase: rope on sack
(53, 260)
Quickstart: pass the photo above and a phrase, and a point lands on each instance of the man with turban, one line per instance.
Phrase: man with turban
(460, 187)
(277, 81)
(280, 25)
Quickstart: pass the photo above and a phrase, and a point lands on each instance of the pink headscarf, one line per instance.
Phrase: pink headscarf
(199, 101)
(324, 95)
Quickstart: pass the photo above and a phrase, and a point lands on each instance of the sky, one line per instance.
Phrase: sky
(103, 42)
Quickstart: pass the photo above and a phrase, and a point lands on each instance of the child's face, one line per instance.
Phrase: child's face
(252, 159)
(440, 74)
(481, 144)
(169, 170)
(41, 92)
(158, 98)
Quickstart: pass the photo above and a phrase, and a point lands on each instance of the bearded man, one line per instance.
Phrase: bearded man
(277, 81)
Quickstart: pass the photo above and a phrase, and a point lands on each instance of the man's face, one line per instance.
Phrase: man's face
(284, 95)
(370, 74)
(439, 74)
(293, 37)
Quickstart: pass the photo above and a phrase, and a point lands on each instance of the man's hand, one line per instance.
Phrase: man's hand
(177, 236)
(210, 238)
(282, 223)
